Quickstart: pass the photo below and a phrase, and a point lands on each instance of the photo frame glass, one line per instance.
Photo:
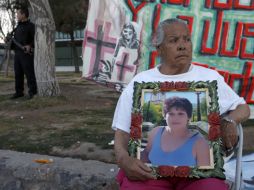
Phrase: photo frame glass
(179, 127)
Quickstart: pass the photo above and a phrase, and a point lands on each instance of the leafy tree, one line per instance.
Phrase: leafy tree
(7, 24)
(8, 20)
(203, 106)
(7, 8)
(152, 113)
(70, 16)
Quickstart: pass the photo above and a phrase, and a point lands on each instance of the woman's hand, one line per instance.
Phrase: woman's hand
(229, 134)
(229, 129)
(134, 169)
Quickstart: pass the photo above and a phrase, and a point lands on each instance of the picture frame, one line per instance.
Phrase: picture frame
(149, 100)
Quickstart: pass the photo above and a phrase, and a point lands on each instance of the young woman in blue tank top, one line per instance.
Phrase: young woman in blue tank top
(175, 144)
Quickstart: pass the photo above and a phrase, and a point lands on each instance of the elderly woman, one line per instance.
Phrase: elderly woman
(174, 46)
(167, 144)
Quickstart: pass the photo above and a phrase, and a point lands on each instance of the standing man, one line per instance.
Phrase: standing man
(23, 44)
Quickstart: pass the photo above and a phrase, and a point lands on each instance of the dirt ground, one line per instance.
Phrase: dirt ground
(75, 124)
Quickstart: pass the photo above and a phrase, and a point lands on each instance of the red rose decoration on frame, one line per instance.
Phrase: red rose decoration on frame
(181, 85)
(166, 171)
(166, 86)
(135, 132)
(214, 118)
(136, 122)
(182, 171)
(214, 132)
(136, 119)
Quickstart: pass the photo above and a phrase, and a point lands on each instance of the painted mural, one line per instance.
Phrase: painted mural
(117, 43)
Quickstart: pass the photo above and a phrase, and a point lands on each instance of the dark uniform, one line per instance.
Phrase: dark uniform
(24, 61)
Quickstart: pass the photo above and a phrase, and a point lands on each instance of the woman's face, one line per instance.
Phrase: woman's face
(177, 117)
(176, 48)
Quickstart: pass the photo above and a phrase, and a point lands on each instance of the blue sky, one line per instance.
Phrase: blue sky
(191, 96)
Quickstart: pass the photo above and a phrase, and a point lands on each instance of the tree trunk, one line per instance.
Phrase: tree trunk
(4, 65)
(74, 53)
(6, 73)
(44, 55)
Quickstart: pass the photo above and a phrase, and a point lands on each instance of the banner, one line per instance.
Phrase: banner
(118, 35)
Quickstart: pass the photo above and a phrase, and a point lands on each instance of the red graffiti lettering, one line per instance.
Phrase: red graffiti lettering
(230, 4)
(250, 92)
(243, 53)
(134, 9)
(227, 5)
(224, 41)
(237, 5)
(189, 20)
(246, 86)
(247, 33)
(239, 47)
(177, 2)
(247, 29)
(244, 79)
(201, 64)
(214, 49)
(208, 4)
(180, 2)
(156, 18)
(153, 56)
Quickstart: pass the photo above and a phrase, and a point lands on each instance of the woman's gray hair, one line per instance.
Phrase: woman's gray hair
(159, 34)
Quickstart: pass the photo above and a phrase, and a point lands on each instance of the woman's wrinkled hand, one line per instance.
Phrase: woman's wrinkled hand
(229, 134)
(136, 170)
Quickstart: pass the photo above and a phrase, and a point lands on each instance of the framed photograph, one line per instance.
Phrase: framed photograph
(175, 129)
